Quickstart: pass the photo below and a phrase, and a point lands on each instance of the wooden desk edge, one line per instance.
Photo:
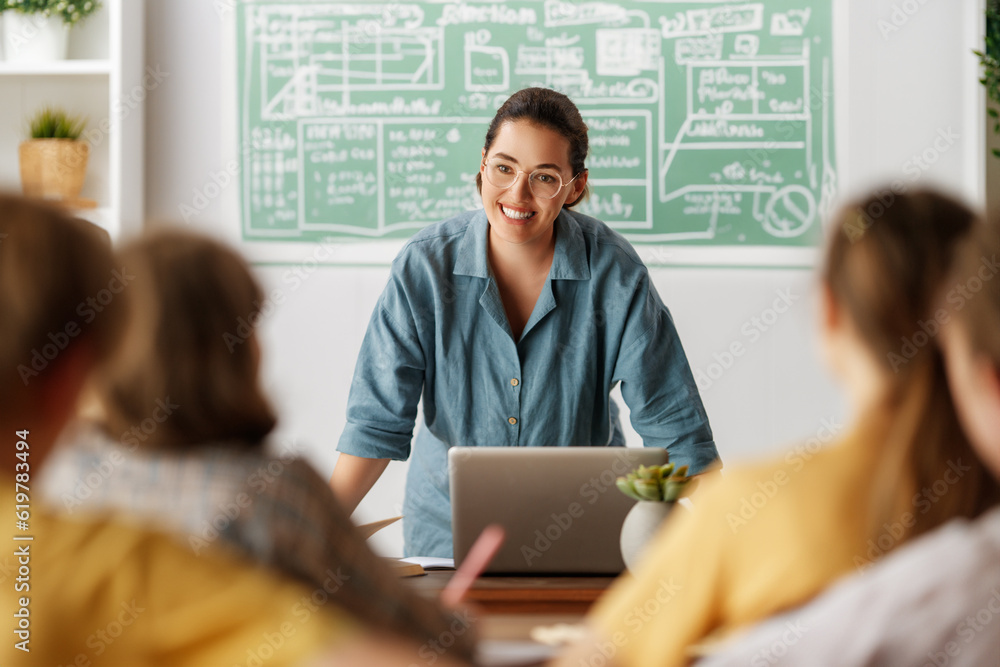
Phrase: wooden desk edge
(523, 595)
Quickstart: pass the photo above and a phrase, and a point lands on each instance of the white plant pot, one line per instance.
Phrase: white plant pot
(34, 38)
(641, 523)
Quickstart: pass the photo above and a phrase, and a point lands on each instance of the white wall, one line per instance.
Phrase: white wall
(896, 92)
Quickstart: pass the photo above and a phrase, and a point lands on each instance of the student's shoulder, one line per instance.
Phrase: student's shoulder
(798, 465)
(773, 484)
(171, 581)
(294, 475)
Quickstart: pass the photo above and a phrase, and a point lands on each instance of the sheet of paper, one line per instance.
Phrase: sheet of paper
(431, 562)
(512, 652)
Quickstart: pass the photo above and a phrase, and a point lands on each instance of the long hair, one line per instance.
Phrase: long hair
(187, 371)
(885, 264)
(977, 307)
(550, 109)
(50, 266)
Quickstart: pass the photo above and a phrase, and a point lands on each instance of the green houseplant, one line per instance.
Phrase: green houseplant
(38, 30)
(71, 12)
(989, 60)
(656, 488)
(53, 159)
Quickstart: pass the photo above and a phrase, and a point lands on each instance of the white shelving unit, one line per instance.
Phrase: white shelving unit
(102, 79)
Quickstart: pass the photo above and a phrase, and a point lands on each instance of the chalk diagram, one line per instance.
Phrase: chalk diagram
(710, 122)
(334, 156)
(313, 56)
(744, 152)
(759, 105)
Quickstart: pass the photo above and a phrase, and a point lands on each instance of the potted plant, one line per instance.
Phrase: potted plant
(38, 30)
(656, 488)
(54, 160)
(989, 60)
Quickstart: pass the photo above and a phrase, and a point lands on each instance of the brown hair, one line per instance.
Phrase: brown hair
(553, 110)
(886, 270)
(978, 310)
(50, 266)
(188, 348)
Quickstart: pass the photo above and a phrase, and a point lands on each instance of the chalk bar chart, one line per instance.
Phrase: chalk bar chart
(711, 123)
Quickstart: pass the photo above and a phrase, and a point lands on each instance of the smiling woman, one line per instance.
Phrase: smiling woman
(514, 323)
(540, 154)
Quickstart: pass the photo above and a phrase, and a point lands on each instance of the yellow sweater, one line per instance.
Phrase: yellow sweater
(759, 539)
(96, 593)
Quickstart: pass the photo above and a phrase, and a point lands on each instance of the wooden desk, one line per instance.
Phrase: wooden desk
(571, 596)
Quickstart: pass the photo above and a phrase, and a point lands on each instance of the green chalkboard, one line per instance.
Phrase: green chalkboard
(710, 122)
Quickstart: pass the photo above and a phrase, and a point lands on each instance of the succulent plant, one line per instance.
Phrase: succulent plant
(657, 483)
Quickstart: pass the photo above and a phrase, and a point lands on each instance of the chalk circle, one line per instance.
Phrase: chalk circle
(789, 212)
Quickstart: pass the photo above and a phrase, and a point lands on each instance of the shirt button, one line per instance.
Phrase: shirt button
(511, 421)
(513, 382)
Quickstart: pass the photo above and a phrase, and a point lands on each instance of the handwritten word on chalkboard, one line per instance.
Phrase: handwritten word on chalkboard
(710, 122)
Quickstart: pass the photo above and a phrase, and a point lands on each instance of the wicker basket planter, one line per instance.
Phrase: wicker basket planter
(53, 168)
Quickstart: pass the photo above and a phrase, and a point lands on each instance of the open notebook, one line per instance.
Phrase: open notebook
(406, 567)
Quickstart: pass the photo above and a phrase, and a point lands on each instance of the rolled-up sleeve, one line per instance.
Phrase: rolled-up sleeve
(657, 384)
(388, 379)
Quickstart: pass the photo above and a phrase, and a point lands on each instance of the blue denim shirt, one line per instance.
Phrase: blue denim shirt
(440, 328)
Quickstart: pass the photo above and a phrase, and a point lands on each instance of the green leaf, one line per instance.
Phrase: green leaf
(71, 12)
(648, 489)
(53, 123)
(992, 113)
(672, 491)
(996, 152)
(626, 487)
(650, 473)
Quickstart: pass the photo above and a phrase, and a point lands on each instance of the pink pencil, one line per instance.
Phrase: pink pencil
(480, 555)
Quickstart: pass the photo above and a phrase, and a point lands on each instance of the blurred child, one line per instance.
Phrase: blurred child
(93, 592)
(829, 512)
(937, 600)
(181, 433)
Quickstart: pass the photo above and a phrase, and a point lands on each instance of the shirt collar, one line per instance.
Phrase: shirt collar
(472, 248)
(568, 263)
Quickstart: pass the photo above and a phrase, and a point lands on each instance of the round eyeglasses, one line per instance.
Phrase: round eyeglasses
(543, 183)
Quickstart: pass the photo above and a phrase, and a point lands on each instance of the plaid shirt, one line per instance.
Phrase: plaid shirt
(275, 510)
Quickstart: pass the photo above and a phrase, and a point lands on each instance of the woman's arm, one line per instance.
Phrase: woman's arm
(353, 477)
(658, 386)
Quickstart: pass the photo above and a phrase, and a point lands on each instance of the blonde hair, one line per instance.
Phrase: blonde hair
(978, 311)
(886, 271)
(56, 291)
(189, 357)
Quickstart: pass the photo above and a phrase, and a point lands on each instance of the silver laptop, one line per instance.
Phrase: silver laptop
(559, 506)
